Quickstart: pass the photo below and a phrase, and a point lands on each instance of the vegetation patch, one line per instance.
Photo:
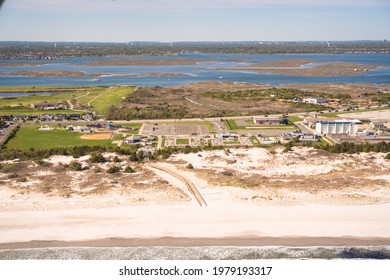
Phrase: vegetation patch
(182, 141)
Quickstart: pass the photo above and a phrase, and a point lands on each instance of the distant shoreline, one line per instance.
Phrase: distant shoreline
(243, 241)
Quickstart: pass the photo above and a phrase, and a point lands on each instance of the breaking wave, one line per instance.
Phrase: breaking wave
(198, 253)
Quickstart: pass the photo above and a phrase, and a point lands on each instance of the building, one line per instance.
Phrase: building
(266, 121)
(311, 122)
(376, 139)
(336, 127)
(228, 136)
(132, 139)
(267, 140)
(308, 137)
(318, 100)
(377, 125)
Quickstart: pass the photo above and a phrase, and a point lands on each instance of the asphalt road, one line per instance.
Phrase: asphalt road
(5, 131)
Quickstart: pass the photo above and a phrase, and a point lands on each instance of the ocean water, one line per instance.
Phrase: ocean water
(198, 253)
(207, 69)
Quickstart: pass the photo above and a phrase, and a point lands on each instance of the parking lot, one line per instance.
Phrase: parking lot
(174, 129)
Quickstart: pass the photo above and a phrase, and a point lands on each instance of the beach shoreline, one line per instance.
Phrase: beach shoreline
(239, 241)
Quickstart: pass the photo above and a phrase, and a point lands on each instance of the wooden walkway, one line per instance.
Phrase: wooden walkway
(191, 187)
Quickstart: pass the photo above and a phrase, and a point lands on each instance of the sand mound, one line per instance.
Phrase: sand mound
(100, 136)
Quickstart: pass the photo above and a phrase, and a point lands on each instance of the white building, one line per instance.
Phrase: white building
(315, 100)
(336, 127)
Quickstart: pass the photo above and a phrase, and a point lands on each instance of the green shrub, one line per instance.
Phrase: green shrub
(98, 170)
(21, 180)
(75, 166)
(190, 166)
(113, 169)
(97, 158)
(129, 169)
(116, 159)
(12, 176)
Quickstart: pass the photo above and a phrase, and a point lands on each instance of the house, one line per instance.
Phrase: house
(60, 117)
(297, 133)
(21, 117)
(367, 132)
(47, 117)
(266, 121)
(32, 117)
(228, 136)
(74, 116)
(132, 139)
(336, 127)
(267, 140)
(50, 106)
(377, 124)
(6, 118)
(308, 137)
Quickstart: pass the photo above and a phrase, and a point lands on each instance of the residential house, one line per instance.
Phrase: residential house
(377, 124)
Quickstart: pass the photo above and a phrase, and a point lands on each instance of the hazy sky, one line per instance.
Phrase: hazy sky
(194, 20)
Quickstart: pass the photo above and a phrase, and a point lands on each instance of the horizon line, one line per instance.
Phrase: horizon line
(200, 41)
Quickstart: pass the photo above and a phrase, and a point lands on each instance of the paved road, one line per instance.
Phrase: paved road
(5, 131)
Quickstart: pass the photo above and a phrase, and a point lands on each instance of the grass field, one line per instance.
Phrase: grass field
(232, 125)
(57, 95)
(111, 96)
(182, 141)
(294, 119)
(29, 136)
(36, 112)
(100, 98)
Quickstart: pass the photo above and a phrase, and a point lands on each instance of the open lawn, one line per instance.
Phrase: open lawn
(29, 136)
(100, 98)
(294, 119)
(182, 141)
(109, 97)
(36, 112)
(54, 94)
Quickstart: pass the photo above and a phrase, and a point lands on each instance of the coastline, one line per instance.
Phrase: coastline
(239, 241)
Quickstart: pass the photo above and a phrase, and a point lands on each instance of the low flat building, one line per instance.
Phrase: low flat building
(308, 137)
(376, 139)
(336, 127)
(132, 139)
(266, 121)
(318, 100)
(377, 125)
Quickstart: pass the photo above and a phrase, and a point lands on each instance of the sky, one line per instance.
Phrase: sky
(194, 20)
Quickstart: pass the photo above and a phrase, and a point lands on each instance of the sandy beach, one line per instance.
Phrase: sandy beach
(254, 197)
